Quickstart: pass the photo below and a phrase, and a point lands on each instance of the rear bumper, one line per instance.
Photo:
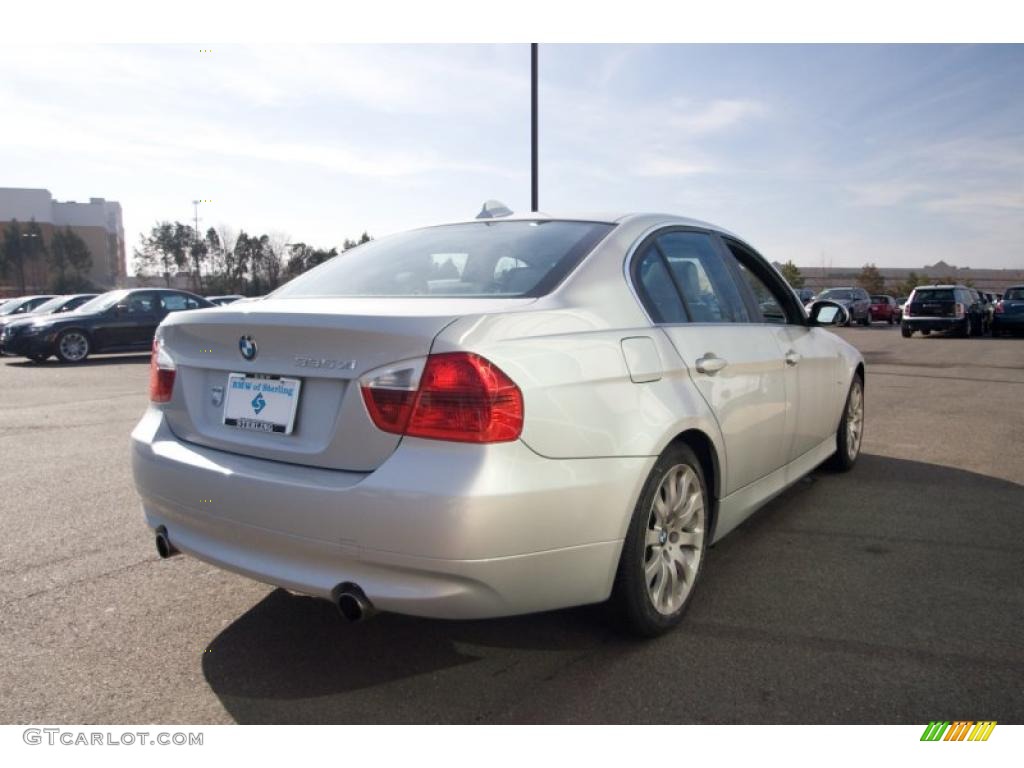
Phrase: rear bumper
(443, 530)
(1004, 322)
(935, 323)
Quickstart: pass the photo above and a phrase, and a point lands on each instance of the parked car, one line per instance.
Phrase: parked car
(117, 321)
(540, 430)
(57, 305)
(856, 301)
(219, 300)
(806, 295)
(1008, 317)
(950, 308)
(21, 306)
(884, 308)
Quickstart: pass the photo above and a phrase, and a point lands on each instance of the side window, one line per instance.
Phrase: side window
(709, 292)
(774, 301)
(142, 303)
(191, 303)
(655, 287)
(172, 302)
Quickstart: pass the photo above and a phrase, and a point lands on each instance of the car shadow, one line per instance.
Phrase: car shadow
(293, 659)
(91, 362)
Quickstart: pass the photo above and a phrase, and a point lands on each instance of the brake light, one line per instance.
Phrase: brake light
(161, 374)
(455, 396)
(999, 307)
(961, 310)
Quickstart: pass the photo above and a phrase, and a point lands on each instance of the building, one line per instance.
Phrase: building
(97, 222)
(995, 280)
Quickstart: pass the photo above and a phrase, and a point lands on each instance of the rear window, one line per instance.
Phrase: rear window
(480, 259)
(1014, 294)
(933, 294)
(880, 299)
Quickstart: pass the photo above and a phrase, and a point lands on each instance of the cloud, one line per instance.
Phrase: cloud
(714, 117)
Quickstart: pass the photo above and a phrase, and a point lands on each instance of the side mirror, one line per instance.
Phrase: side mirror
(828, 313)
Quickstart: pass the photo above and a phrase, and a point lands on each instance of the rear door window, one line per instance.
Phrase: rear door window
(700, 274)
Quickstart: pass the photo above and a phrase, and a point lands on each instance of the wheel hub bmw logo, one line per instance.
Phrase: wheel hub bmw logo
(247, 346)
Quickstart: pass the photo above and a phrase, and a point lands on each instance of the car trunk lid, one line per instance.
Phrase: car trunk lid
(325, 345)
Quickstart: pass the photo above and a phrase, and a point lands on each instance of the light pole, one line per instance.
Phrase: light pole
(535, 195)
(195, 241)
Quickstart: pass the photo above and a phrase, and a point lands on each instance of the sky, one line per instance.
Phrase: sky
(826, 155)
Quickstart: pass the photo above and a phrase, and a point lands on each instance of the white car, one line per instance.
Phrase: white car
(495, 417)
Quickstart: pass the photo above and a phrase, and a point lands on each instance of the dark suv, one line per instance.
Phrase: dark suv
(954, 308)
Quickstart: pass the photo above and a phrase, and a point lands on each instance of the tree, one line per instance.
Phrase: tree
(165, 250)
(12, 254)
(70, 260)
(871, 280)
(910, 283)
(791, 272)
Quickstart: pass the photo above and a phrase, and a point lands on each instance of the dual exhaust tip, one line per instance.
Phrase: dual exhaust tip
(351, 601)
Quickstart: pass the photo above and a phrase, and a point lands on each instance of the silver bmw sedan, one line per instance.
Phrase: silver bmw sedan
(496, 417)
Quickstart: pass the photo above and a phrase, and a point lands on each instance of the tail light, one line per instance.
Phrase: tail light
(999, 308)
(161, 373)
(455, 396)
(961, 310)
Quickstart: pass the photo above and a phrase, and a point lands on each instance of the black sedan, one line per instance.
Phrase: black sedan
(118, 321)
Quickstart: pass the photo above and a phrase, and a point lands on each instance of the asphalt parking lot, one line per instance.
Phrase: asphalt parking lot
(893, 593)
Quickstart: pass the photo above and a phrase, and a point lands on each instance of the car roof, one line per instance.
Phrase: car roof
(600, 218)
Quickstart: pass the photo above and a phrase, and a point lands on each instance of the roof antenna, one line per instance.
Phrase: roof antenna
(494, 209)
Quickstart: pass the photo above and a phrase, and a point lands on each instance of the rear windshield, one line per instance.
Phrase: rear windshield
(493, 258)
(880, 299)
(1014, 294)
(933, 294)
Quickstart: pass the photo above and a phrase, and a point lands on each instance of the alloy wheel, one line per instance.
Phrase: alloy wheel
(674, 541)
(74, 346)
(854, 420)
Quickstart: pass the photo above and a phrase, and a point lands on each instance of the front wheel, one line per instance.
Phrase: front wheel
(663, 554)
(851, 428)
(73, 346)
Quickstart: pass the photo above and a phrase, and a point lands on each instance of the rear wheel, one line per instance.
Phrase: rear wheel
(866, 320)
(905, 330)
(38, 358)
(73, 346)
(851, 428)
(663, 554)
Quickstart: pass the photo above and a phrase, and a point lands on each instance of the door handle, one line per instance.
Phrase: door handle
(792, 358)
(710, 364)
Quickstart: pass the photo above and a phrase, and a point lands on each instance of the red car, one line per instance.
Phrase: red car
(884, 308)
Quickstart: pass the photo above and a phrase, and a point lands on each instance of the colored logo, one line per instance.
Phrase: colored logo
(959, 730)
(258, 403)
(247, 346)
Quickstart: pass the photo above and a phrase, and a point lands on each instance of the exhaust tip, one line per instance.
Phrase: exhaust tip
(164, 548)
(352, 603)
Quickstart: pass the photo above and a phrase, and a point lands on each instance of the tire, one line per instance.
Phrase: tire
(906, 331)
(39, 358)
(926, 332)
(661, 563)
(866, 322)
(847, 447)
(965, 332)
(73, 346)
(891, 320)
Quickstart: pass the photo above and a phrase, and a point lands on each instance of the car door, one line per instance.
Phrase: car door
(736, 365)
(136, 318)
(813, 363)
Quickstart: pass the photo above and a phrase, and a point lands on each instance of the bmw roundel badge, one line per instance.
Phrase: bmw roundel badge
(247, 346)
